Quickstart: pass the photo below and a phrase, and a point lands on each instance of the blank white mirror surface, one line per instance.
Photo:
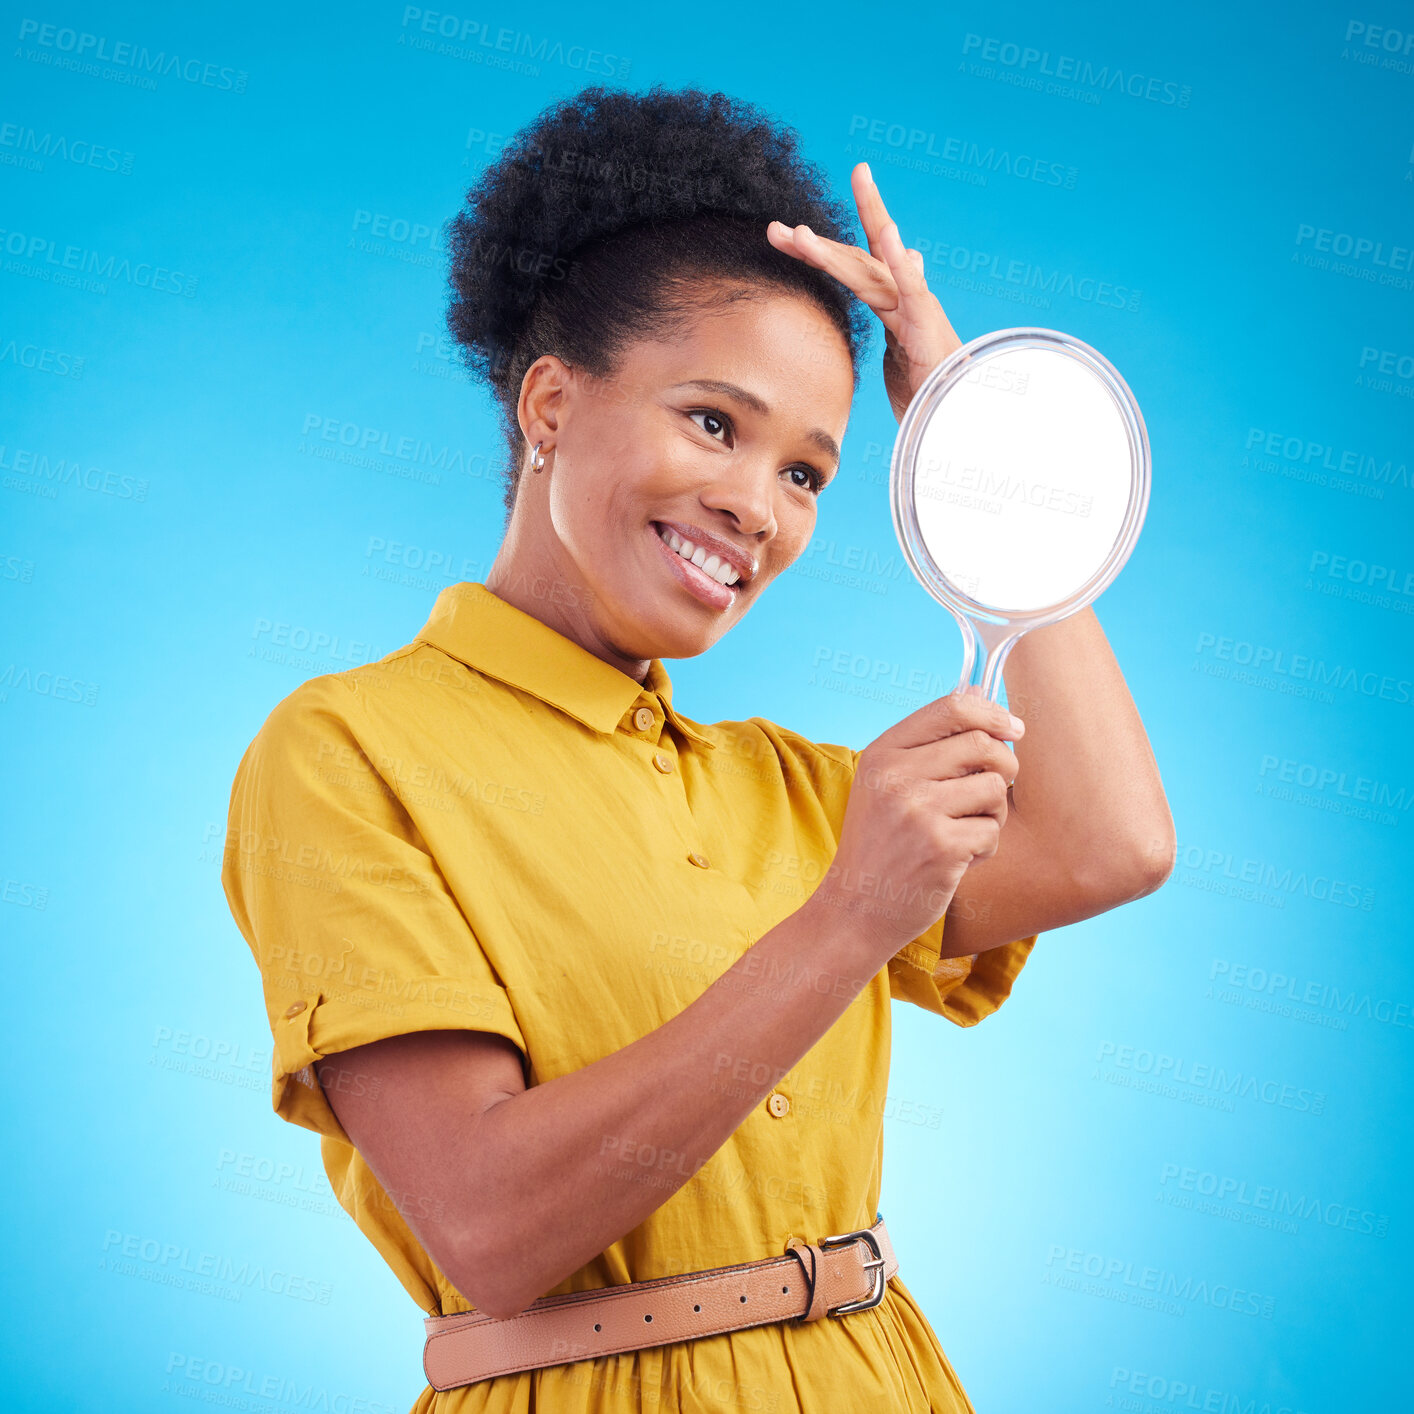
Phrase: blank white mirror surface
(1023, 478)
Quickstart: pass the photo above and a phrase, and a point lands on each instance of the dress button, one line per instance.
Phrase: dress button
(663, 761)
(700, 860)
(295, 1008)
(778, 1104)
(643, 718)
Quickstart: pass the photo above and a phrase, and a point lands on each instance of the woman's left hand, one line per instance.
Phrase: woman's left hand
(889, 279)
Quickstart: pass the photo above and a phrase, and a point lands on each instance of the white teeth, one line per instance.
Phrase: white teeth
(712, 565)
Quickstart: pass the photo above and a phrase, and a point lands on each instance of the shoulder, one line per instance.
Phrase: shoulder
(825, 766)
(319, 707)
(370, 698)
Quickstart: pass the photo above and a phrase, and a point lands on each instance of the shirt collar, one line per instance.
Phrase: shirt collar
(483, 631)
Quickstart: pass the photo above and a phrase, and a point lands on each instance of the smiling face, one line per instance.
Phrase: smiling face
(722, 436)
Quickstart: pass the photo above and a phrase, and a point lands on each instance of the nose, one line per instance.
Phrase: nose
(746, 492)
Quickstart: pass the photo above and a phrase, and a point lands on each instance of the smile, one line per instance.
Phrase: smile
(708, 577)
(710, 565)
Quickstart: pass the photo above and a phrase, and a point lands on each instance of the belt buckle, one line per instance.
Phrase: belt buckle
(876, 1291)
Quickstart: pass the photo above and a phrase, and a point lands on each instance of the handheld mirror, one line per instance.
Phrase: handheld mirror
(1019, 483)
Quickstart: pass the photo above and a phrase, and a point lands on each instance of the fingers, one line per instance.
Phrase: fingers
(888, 277)
(946, 716)
(982, 794)
(966, 752)
(907, 273)
(868, 277)
(885, 243)
(873, 215)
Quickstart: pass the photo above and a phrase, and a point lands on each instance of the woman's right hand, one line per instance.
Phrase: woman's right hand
(929, 796)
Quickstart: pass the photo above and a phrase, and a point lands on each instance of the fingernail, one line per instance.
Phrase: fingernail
(1017, 725)
(868, 175)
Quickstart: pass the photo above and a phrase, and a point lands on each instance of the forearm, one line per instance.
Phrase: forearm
(1087, 785)
(567, 1167)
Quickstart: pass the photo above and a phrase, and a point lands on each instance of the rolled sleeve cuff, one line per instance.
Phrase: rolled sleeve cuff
(962, 989)
(320, 1022)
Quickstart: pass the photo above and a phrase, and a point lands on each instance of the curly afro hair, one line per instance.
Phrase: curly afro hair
(612, 216)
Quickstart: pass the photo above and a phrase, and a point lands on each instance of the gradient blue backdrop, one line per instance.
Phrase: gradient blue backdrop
(1224, 211)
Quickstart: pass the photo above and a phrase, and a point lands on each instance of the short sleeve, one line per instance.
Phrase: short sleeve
(349, 918)
(962, 989)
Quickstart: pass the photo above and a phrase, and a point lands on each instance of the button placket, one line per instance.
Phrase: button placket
(666, 763)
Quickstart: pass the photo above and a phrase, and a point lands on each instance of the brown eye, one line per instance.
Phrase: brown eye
(817, 482)
(712, 417)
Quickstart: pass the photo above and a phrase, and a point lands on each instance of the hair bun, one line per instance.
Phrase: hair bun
(596, 164)
(614, 216)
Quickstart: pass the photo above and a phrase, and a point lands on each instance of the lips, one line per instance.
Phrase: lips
(695, 581)
(740, 559)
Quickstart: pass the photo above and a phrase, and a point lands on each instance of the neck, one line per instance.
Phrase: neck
(536, 581)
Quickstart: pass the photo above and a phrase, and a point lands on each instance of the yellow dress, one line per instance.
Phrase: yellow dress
(493, 829)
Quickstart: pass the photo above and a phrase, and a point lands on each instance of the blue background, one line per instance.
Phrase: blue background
(165, 511)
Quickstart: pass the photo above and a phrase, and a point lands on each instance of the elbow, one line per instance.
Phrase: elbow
(486, 1266)
(500, 1310)
(1129, 874)
(1152, 862)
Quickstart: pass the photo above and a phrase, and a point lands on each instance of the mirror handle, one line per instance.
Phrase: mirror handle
(985, 646)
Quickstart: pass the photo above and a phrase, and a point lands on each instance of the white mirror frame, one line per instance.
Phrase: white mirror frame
(986, 627)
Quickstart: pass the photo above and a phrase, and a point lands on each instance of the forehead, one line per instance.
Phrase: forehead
(781, 347)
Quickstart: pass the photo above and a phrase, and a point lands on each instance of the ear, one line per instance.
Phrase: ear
(544, 392)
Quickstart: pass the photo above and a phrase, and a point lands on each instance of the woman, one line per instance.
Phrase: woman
(582, 993)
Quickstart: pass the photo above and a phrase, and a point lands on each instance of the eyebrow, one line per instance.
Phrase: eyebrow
(821, 439)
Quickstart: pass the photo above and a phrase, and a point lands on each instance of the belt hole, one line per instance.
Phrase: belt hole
(784, 1289)
(743, 1299)
(648, 1318)
(697, 1308)
(597, 1326)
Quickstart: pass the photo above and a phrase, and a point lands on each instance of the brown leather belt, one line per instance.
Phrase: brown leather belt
(831, 1277)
